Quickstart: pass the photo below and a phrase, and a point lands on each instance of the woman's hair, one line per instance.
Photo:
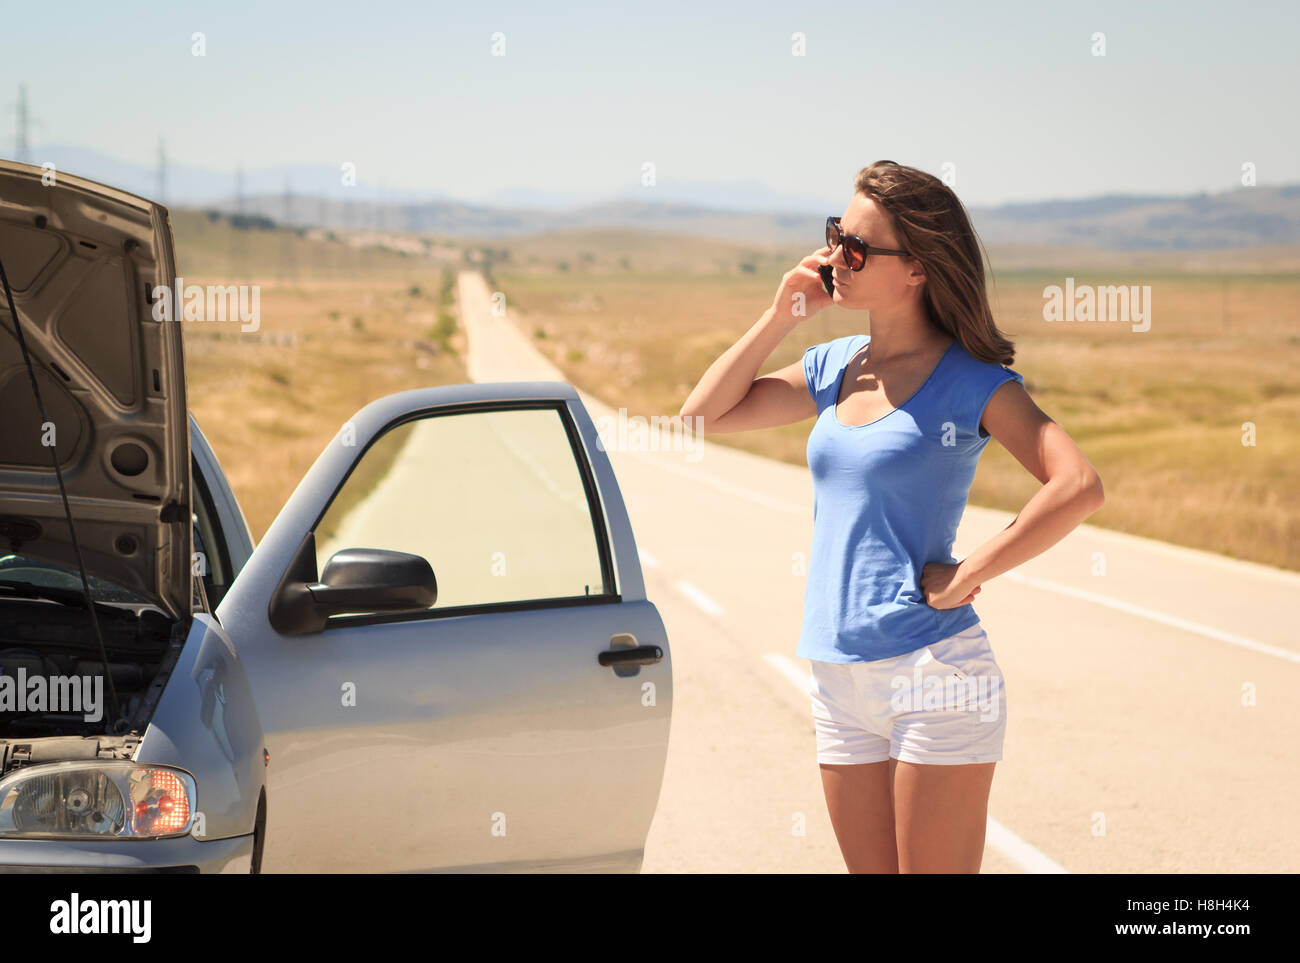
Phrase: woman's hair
(933, 226)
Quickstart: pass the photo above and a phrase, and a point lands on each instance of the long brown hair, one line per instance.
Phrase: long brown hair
(933, 226)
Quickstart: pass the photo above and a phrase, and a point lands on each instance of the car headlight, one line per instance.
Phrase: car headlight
(96, 800)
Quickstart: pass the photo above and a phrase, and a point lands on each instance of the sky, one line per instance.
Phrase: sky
(1010, 95)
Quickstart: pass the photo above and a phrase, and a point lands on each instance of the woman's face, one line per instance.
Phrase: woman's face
(885, 281)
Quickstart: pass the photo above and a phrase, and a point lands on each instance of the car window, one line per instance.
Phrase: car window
(19, 568)
(499, 502)
(211, 558)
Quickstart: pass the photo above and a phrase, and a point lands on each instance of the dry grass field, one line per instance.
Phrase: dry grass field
(269, 402)
(340, 325)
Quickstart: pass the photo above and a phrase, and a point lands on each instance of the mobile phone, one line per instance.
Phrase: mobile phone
(828, 278)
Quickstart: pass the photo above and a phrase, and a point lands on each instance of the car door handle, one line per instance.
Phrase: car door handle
(634, 655)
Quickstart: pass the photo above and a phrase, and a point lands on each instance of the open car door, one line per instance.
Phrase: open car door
(450, 647)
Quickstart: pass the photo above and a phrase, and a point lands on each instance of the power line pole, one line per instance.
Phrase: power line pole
(21, 150)
(162, 172)
(326, 245)
(286, 243)
(236, 224)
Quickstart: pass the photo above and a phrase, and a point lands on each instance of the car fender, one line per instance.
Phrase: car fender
(207, 724)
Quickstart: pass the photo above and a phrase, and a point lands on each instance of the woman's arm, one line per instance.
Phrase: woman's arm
(724, 387)
(729, 397)
(1071, 492)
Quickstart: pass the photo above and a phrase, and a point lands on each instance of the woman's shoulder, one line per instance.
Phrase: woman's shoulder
(835, 353)
(823, 363)
(842, 343)
(979, 370)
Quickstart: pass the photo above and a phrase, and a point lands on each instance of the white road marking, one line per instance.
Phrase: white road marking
(996, 835)
(705, 603)
(648, 560)
(1186, 625)
(703, 478)
(800, 679)
(1018, 851)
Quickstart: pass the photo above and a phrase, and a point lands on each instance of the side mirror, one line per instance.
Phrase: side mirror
(354, 580)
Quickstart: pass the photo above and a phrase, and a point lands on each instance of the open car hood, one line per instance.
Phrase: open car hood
(82, 260)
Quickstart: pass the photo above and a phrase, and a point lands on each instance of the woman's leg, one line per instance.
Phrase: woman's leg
(939, 814)
(858, 798)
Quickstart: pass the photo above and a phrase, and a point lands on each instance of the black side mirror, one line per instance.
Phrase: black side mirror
(354, 580)
(372, 580)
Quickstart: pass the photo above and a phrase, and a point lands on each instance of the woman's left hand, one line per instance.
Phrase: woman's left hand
(944, 588)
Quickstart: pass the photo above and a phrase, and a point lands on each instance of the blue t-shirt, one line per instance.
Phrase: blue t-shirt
(887, 497)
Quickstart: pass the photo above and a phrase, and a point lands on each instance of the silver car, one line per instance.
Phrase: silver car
(440, 656)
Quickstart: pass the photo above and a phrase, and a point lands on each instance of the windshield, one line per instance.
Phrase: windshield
(18, 568)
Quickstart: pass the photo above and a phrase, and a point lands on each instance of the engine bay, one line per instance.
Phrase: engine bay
(54, 685)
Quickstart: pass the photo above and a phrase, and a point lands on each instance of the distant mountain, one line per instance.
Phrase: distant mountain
(747, 195)
(1245, 217)
(195, 186)
(314, 195)
(488, 223)
(186, 185)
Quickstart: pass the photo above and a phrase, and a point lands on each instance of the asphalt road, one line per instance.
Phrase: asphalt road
(1153, 692)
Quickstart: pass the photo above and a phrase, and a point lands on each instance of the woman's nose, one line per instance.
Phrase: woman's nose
(836, 257)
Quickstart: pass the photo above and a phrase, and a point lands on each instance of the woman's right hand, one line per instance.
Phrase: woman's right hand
(801, 294)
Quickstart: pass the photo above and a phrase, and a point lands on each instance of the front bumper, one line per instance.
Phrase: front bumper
(178, 854)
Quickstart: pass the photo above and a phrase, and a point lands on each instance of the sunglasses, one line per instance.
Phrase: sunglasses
(855, 249)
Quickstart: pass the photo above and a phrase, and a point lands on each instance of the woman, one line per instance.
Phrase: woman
(907, 698)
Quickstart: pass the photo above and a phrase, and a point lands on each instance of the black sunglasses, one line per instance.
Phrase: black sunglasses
(855, 249)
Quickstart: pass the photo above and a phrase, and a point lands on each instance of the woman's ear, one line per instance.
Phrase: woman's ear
(915, 272)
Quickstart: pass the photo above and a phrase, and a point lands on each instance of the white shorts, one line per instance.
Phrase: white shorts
(942, 704)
